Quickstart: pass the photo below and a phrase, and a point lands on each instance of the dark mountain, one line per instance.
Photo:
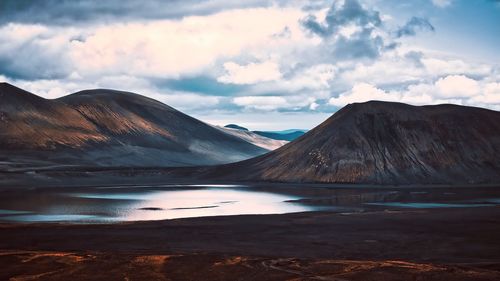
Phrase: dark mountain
(107, 127)
(385, 143)
(234, 126)
(289, 136)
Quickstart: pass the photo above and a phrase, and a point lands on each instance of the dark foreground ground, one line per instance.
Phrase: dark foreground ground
(438, 244)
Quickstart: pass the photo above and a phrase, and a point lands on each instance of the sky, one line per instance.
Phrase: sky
(262, 64)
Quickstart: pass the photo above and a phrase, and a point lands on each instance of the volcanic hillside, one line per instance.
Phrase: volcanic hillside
(106, 127)
(385, 143)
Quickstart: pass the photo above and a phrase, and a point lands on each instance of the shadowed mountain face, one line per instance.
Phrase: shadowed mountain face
(107, 127)
(386, 143)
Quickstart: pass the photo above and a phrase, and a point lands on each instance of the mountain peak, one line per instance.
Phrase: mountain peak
(10, 94)
(237, 127)
(108, 127)
(387, 143)
(5, 86)
(109, 96)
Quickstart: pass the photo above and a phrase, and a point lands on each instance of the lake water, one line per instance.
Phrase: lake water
(117, 204)
(144, 202)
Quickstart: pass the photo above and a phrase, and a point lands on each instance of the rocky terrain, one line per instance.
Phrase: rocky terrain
(385, 143)
(108, 128)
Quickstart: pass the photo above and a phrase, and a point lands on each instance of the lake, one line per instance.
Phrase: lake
(143, 202)
(137, 204)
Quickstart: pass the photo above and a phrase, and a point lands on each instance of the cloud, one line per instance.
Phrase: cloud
(208, 57)
(362, 92)
(56, 12)
(415, 57)
(158, 48)
(187, 101)
(350, 30)
(338, 16)
(313, 106)
(313, 80)
(33, 52)
(174, 48)
(272, 103)
(404, 67)
(316, 77)
(250, 73)
(490, 95)
(413, 25)
(457, 89)
(457, 86)
(442, 3)
(261, 103)
(439, 66)
(199, 84)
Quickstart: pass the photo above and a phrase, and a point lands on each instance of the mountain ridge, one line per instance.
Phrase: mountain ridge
(109, 127)
(385, 143)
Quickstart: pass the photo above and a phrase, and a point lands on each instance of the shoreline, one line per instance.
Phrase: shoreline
(378, 243)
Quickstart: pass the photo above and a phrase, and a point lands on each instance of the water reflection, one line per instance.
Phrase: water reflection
(142, 202)
(106, 206)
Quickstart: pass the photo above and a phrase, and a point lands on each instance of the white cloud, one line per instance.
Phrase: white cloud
(456, 86)
(313, 106)
(349, 30)
(261, 102)
(315, 77)
(250, 73)
(186, 101)
(171, 48)
(272, 103)
(20, 33)
(313, 81)
(277, 64)
(52, 89)
(363, 92)
(440, 66)
(408, 66)
(490, 95)
(456, 89)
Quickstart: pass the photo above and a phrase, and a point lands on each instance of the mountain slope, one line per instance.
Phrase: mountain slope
(385, 143)
(253, 138)
(106, 127)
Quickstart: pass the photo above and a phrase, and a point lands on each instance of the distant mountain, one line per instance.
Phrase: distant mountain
(288, 131)
(287, 135)
(253, 138)
(384, 143)
(234, 126)
(111, 128)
